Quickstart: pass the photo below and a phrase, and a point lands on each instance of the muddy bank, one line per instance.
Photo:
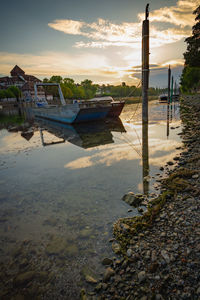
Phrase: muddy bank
(158, 253)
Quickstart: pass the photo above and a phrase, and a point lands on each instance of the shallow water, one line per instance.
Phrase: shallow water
(62, 189)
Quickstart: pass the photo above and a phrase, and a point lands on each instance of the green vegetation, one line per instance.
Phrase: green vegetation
(8, 120)
(11, 92)
(88, 90)
(190, 79)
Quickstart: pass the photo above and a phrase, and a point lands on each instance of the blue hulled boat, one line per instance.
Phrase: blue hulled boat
(76, 112)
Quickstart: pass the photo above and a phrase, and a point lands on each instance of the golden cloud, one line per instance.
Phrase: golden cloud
(104, 33)
(68, 26)
(180, 15)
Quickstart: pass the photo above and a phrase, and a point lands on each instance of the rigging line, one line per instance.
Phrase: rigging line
(138, 102)
(136, 87)
(130, 144)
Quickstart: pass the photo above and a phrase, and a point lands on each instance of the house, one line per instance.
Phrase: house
(24, 82)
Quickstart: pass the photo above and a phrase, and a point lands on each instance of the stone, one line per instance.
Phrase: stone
(90, 279)
(85, 233)
(23, 278)
(129, 252)
(195, 176)
(116, 247)
(108, 273)
(165, 256)
(107, 261)
(141, 276)
(59, 246)
(133, 199)
(153, 256)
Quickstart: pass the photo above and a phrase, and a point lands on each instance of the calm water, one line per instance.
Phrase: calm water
(62, 189)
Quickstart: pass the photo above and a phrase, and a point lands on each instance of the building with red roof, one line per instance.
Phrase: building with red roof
(24, 82)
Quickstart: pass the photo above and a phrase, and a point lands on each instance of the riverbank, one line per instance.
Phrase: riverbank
(158, 253)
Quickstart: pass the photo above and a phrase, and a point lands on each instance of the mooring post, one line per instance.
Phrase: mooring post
(169, 83)
(145, 65)
(172, 87)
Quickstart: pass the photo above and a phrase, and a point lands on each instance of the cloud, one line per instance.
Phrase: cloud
(109, 155)
(103, 33)
(179, 15)
(68, 26)
(54, 63)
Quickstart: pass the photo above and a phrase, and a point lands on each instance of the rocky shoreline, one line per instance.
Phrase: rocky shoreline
(158, 253)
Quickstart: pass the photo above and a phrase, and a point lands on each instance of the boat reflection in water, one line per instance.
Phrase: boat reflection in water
(85, 135)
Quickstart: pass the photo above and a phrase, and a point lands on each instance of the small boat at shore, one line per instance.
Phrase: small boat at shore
(163, 98)
(73, 113)
(76, 112)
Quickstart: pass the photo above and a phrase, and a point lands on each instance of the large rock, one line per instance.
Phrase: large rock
(132, 199)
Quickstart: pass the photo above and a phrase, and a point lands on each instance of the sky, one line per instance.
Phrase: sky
(93, 39)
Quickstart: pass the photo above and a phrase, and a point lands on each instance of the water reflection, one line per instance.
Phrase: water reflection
(58, 203)
(145, 157)
(83, 135)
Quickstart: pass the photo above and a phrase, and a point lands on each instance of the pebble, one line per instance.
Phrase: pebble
(141, 276)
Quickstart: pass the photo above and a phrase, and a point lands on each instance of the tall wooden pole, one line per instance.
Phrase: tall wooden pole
(169, 83)
(145, 65)
(172, 89)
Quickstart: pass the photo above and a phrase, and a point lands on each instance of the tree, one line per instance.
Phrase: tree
(56, 79)
(192, 55)
(9, 94)
(89, 88)
(2, 94)
(190, 77)
(16, 91)
(67, 93)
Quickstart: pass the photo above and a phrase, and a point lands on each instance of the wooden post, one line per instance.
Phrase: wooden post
(172, 87)
(145, 65)
(169, 83)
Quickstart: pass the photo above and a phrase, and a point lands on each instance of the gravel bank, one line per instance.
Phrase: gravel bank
(160, 251)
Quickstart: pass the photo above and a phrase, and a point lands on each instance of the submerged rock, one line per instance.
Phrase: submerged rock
(107, 261)
(23, 278)
(61, 247)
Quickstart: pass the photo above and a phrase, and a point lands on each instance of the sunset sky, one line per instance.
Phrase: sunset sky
(97, 40)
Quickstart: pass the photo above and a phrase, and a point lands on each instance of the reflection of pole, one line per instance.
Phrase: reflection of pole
(145, 157)
(167, 119)
(171, 96)
(145, 65)
(42, 137)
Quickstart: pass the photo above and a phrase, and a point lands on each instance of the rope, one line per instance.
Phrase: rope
(137, 103)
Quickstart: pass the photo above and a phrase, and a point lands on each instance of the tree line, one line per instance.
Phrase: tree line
(87, 89)
(190, 78)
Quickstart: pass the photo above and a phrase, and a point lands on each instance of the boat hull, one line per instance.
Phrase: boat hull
(71, 114)
(116, 109)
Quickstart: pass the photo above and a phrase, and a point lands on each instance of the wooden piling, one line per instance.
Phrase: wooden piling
(169, 83)
(145, 65)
